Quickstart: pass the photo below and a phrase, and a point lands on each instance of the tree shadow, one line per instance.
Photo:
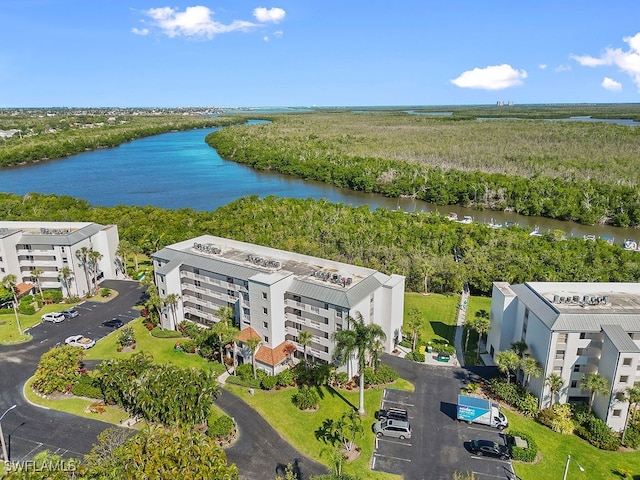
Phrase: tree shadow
(326, 432)
(446, 332)
(335, 393)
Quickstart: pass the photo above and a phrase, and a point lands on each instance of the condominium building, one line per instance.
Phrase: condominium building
(51, 246)
(275, 294)
(572, 329)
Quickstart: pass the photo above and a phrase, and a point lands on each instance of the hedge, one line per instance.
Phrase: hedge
(522, 454)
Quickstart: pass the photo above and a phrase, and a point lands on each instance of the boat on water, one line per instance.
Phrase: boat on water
(466, 219)
(452, 216)
(589, 237)
(535, 232)
(493, 224)
(630, 245)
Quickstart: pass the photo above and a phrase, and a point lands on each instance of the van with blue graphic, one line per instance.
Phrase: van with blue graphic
(482, 411)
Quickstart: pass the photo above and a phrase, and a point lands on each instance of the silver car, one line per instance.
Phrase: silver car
(53, 317)
(392, 428)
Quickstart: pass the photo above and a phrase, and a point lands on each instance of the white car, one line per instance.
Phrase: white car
(80, 341)
(53, 317)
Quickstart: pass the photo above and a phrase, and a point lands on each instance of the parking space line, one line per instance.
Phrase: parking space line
(391, 441)
(476, 457)
(398, 403)
(392, 458)
(488, 475)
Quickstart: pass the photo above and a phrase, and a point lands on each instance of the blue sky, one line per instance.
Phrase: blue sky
(154, 53)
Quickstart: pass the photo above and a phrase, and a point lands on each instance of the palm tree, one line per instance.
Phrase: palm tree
(481, 324)
(358, 340)
(595, 383)
(507, 362)
(555, 384)
(82, 254)
(94, 258)
(530, 368)
(414, 322)
(520, 348)
(123, 251)
(171, 301)
(9, 282)
(304, 339)
(253, 343)
(65, 275)
(632, 395)
(36, 274)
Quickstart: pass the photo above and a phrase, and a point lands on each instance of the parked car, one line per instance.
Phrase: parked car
(80, 341)
(490, 449)
(53, 317)
(392, 428)
(70, 313)
(113, 323)
(393, 413)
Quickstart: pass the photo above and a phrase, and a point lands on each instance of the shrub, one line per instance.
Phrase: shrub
(386, 374)
(406, 344)
(522, 454)
(87, 386)
(105, 292)
(527, 404)
(245, 371)
(206, 351)
(415, 356)
(448, 349)
(598, 434)
(632, 437)
(580, 413)
(161, 333)
(127, 336)
(26, 308)
(190, 346)
(268, 382)
(190, 329)
(306, 398)
(244, 382)
(220, 428)
(285, 378)
(339, 379)
(557, 418)
(52, 296)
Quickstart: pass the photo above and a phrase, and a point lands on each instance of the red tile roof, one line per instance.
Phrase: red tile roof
(246, 334)
(22, 288)
(274, 356)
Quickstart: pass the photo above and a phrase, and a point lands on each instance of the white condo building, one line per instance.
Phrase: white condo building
(572, 329)
(275, 294)
(50, 246)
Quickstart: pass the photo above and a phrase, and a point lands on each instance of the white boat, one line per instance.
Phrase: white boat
(493, 224)
(453, 216)
(535, 232)
(630, 245)
(590, 237)
(466, 219)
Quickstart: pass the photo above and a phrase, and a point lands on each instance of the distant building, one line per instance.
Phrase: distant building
(51, 246)
(275, 294)
(572, 329)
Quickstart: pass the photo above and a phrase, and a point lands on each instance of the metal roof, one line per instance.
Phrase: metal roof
(65, 239)
(620, 339)
(576, 318)
(210, 264)
(335, 295)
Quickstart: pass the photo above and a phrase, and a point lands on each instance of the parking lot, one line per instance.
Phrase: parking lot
(439, 443)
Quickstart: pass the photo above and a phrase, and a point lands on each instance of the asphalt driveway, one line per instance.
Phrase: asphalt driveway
(438, 446)
(30, 429)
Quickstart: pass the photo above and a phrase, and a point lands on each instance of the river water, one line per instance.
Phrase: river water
(179, 170)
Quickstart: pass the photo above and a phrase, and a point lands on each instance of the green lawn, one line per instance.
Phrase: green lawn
(475, 304)
(439, 314)
(298, 427)
(9, 329)
(553, 449)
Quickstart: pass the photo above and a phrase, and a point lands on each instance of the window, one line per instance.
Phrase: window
(326, 305)
(339, 313)
(229, 279)
(562, 338)
(620, 397)
(627, 361)
(197, 283)
(624, 378)
(196, 271)
(265, 310)
(2, 269)
(557, 370)
(617, 412)
(266, 339)
(574, 383)
(265, 325)
(559, 354)
(264, 295)
(61, 249)
(338, 327)
(576, 368)
(231, 293)
(581, 351)
(583, 335)
(199, 295)
(162, 292)
(296, 298)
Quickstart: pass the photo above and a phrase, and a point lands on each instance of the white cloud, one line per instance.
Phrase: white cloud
(611, 85)
(265, 38)
(542, 66)
(140, 31)
(627, 61)
(269, 15)
(278, 33)
(495, 77)
(193, 22)
(562, 68)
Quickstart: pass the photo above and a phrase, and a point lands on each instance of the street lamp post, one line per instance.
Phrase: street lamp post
(4, 446)
(566, 467)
